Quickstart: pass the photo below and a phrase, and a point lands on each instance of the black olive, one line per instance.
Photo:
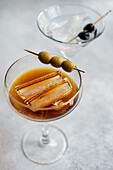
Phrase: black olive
(84, 35)
(89, 28)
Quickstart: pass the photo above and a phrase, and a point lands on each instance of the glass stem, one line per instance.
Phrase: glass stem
(45, 135)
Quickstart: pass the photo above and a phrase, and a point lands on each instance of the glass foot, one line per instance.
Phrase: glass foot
(44, 152)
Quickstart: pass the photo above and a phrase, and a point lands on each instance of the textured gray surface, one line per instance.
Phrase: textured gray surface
(90, 127)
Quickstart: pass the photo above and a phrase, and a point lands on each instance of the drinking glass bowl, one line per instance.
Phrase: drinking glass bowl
(60, 23)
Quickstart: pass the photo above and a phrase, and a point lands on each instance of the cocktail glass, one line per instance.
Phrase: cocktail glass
(60, 23)
(45, 143)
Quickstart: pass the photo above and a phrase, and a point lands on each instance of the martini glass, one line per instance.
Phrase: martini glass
(61, 23)
(45, 143)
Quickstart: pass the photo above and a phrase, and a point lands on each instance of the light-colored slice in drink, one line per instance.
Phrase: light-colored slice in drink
(48, 98)
(38, 85)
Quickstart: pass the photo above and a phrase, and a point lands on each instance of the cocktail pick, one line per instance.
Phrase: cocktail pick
(46, 57)
(88, 29)
(32, 52)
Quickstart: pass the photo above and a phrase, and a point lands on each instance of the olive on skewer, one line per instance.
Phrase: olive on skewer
(55, 61)
(45, 57)
(89, 28)
(84, 35)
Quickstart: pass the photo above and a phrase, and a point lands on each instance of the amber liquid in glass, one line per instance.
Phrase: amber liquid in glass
(41, 114)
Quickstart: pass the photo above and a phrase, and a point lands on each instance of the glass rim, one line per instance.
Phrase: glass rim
(46, 108)
(69, 43)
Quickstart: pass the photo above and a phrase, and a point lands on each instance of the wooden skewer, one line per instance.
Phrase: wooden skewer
(79, 70)
(92, 24)
(102, 17)
(29, 51)
(72, 39)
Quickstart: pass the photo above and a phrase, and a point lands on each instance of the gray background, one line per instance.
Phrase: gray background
(89, 127)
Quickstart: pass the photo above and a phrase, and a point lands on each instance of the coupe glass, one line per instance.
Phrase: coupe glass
(60, 23)
(45, 143)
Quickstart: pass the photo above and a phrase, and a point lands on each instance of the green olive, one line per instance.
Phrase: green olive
(68, 66)
(45, 57)
(56, 61)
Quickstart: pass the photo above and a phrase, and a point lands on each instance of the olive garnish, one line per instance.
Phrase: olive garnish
(56, 61)
(84, 35)
(68, 66)
(45, 57)
(89, 28)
